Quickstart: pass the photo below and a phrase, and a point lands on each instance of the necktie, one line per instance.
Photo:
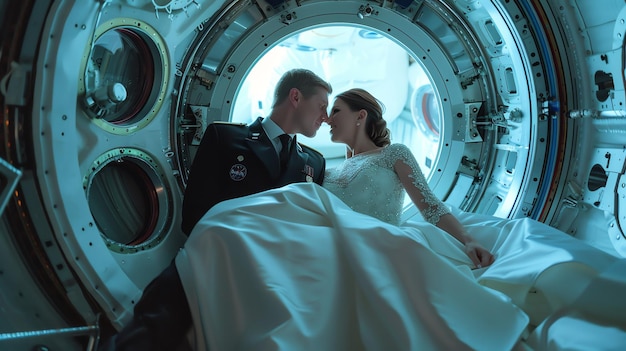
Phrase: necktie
(285, 139)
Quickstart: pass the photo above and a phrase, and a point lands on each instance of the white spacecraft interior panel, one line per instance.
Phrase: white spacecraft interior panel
(513, 109)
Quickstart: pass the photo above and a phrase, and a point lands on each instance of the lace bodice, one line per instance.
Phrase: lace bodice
(368, 183)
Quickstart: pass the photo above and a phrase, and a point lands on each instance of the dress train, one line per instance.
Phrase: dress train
(295, 268)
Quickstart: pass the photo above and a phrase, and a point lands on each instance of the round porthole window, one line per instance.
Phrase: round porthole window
(124, 76)
(126, 195)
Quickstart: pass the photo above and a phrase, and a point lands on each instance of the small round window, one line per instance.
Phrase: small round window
(125, 192)
(124, 76)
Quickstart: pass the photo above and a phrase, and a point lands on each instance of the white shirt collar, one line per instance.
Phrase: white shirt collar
(272, 129)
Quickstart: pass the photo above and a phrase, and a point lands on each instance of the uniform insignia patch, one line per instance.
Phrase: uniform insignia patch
(238, 172)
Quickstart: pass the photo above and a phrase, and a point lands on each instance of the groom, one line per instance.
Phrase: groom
(233, 160)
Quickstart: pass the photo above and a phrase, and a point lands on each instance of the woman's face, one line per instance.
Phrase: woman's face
(342, 122)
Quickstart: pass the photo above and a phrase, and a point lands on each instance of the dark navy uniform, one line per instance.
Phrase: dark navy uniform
(236, 160)
(233, 160)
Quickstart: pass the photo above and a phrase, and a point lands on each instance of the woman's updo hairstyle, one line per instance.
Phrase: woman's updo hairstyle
(375, 126)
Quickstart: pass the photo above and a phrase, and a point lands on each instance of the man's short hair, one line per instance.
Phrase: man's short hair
(302, 79)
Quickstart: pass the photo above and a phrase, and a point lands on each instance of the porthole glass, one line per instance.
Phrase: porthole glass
(126, 197)
(125, 76)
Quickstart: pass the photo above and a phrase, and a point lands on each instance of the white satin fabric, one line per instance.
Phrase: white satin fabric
(531, 257)
(594, 321)
(295, 269)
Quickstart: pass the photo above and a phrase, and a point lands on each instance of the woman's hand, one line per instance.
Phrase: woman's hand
(480, 256)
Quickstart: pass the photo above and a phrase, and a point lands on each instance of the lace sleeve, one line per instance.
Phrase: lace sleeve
(416, 186)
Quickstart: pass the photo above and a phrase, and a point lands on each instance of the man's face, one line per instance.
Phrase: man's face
(312, 112)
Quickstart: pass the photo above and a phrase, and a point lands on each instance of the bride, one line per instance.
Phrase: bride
(376, 174)
(306, 267)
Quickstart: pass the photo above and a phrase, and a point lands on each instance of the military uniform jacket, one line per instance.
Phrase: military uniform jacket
(235, 160)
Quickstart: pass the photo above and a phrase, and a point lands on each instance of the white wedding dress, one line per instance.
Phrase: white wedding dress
(306, 267)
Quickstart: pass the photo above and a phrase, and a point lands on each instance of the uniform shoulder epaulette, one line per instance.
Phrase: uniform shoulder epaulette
(310, 148)
(240, 124)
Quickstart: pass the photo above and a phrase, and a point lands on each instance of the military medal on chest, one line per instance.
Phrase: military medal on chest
(309, 171)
